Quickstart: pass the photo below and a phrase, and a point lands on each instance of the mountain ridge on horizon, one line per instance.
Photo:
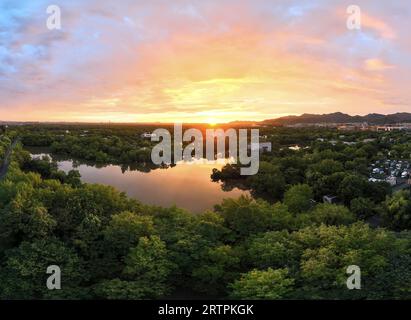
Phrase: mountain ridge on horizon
(339, 117)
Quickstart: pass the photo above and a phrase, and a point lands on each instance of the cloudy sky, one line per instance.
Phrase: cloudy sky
(202, 60)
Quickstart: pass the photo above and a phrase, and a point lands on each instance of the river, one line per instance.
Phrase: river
(185, 185)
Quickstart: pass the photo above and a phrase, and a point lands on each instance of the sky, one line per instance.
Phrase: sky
(202, 60)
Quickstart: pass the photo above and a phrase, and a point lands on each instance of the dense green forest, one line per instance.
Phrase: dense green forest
(330, 163)
(284, 243)
(101, 144)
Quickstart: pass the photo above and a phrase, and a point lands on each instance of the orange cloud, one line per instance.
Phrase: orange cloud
(376, 65)
(378, 25)
(195, 61)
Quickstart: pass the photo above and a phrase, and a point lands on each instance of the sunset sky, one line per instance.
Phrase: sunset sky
(202, 61)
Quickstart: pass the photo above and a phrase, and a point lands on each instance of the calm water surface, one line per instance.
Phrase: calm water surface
(186, 185)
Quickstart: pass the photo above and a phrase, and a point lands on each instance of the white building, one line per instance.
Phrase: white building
(148, 135)
(330, 199)
(391, 180)
(295, 148)
(262, 146)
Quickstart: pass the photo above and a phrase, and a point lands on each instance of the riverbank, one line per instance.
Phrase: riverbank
(6, 161)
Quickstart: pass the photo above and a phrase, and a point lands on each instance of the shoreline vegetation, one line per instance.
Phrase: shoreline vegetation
(282, 243)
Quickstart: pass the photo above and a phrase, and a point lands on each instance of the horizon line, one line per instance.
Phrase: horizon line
(188, 122)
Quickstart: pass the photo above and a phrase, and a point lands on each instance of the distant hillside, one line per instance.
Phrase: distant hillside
(339, 117)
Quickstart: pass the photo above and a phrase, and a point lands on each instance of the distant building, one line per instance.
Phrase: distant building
(262, 146)
(265, 146)
(148, 135)
(333, 142)
(347, 128)
(392, 181)
(295, 148)
(330, 199)
(391, 128)
(355, 126)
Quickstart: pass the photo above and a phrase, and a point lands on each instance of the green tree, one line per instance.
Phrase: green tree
(125, 229)
(327, 167)
(25, 218)
(352, 187)
(398, 211)
(218, 267)
(74, 178)
(273, 249)
(23, 272)
(245, 216)
(145, 275)
(298, 198)
(268, 285)
(148, 261)
(117, 289)
(331, 214)
(363, 208)
(268, 183)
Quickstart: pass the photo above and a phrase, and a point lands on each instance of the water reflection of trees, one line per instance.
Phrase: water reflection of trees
(145, 167)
